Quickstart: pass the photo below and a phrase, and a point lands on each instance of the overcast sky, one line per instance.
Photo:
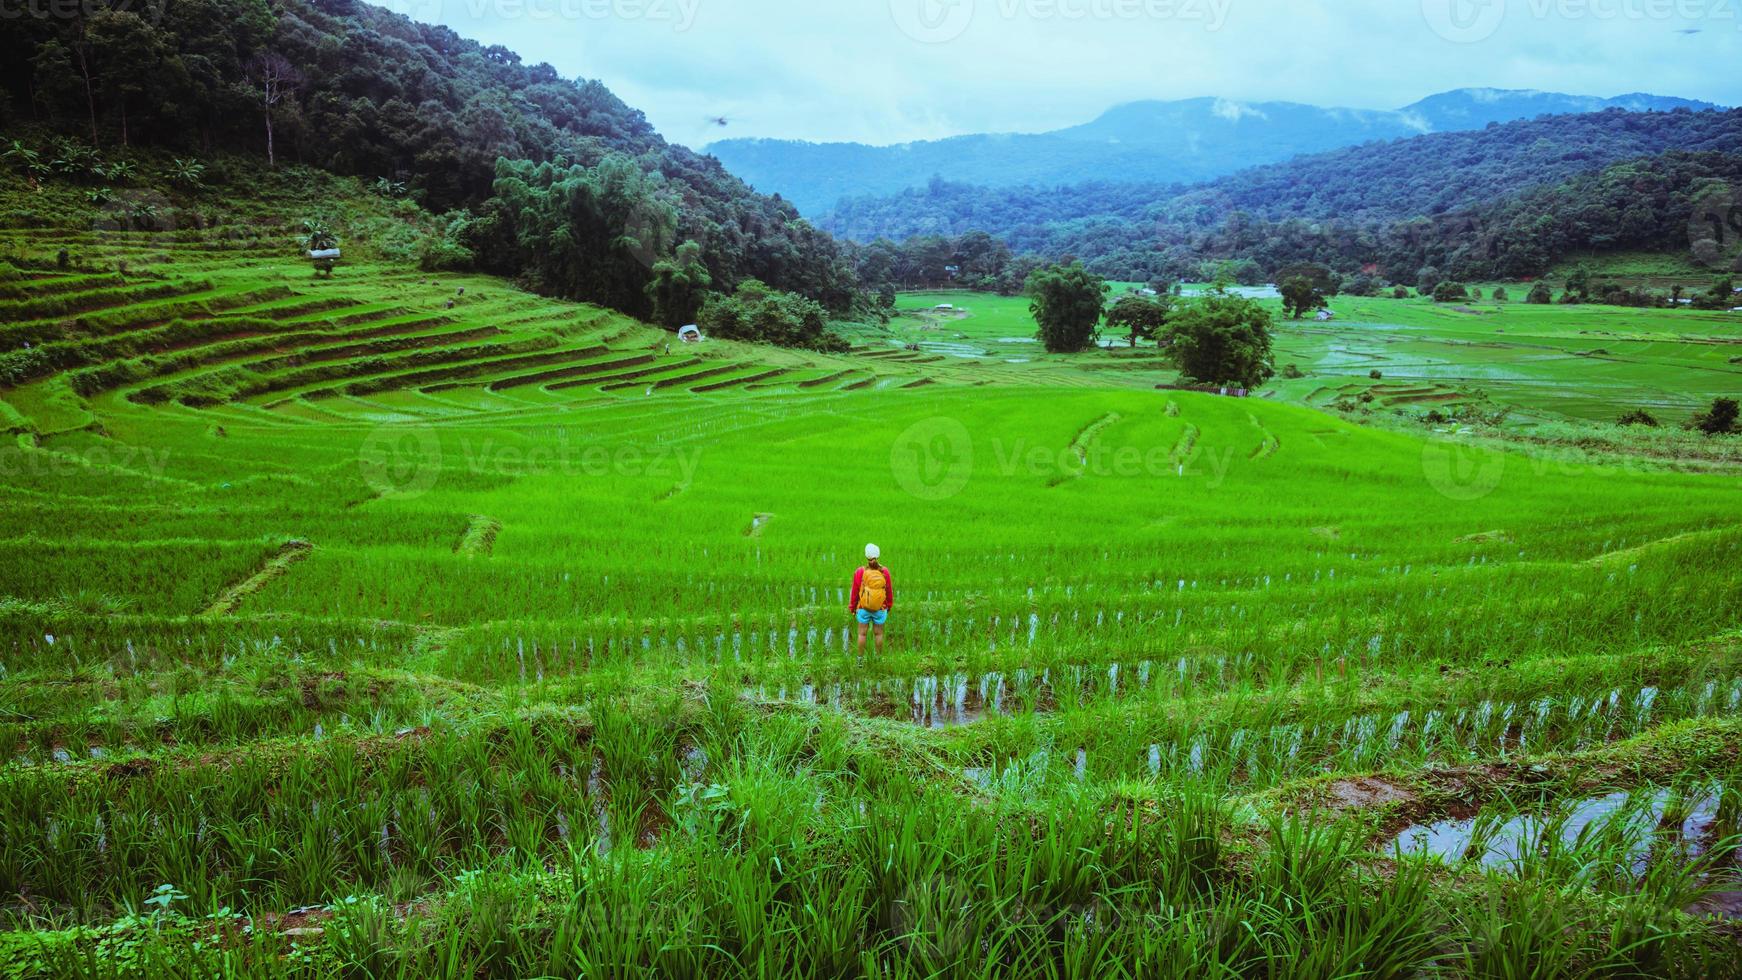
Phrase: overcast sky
(888, 71)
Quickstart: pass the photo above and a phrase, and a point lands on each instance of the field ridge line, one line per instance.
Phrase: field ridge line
(480, 537)
(227, 601)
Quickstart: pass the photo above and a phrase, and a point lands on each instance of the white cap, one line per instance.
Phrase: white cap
(871, 551)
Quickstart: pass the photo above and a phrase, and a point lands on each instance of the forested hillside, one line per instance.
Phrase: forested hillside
(358, 90)
(1503, 201)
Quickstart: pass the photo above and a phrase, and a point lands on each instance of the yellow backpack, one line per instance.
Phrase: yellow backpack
(873, 590)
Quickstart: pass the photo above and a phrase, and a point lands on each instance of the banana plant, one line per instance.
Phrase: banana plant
(317, 236)
(189, 173)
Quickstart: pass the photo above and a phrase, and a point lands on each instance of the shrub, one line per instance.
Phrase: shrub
(1401, 292)
(1450, 292)
(1540, 294)
(1375, 374)
(1718, 420)
(1638, 416)
(1501, 295)
(1292, 372)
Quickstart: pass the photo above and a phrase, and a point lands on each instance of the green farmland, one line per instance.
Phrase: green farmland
(1545, 363)
(410, 625)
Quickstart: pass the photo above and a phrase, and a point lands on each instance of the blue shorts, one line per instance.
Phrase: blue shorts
(867, 616)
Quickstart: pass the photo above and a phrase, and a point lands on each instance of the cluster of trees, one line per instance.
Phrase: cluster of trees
(972, 260)
(756, 312)
(1501, 203)
(1217, 339)
(537, 172)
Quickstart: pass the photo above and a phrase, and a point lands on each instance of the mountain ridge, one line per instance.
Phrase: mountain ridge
(1148, 141)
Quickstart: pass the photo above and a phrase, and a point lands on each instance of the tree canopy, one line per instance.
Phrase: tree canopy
(1066, 301)
(1300, 297)
(1139, 317)
(1221, 339)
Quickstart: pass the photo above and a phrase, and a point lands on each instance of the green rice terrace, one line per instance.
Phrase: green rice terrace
(409, 624)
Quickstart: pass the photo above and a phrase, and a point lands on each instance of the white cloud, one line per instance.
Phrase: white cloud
(1415, 121)
(1235, 111)
(847, 69)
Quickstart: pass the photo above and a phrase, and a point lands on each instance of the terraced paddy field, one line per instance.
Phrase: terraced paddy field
(1542, 363)
(345, 632)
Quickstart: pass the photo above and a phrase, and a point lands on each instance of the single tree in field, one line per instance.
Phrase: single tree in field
(1221, 339)
(1540, 294)
(1718, 420)
(1319, 275)
(1501, 295)
(1139, 317)
(1066, 301)
(1300, 297)
(1427, 280)
(273, 78)
(679, 285)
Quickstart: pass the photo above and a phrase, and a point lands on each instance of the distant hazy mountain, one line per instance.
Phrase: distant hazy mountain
(1183, 141)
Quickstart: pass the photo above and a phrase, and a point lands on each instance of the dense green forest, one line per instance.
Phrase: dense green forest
(1504, 202)
(588, 199)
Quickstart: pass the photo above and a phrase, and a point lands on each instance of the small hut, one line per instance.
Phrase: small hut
(324, 259)
(690, 334)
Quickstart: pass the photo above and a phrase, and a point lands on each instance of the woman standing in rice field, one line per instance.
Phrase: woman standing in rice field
(873, 596)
